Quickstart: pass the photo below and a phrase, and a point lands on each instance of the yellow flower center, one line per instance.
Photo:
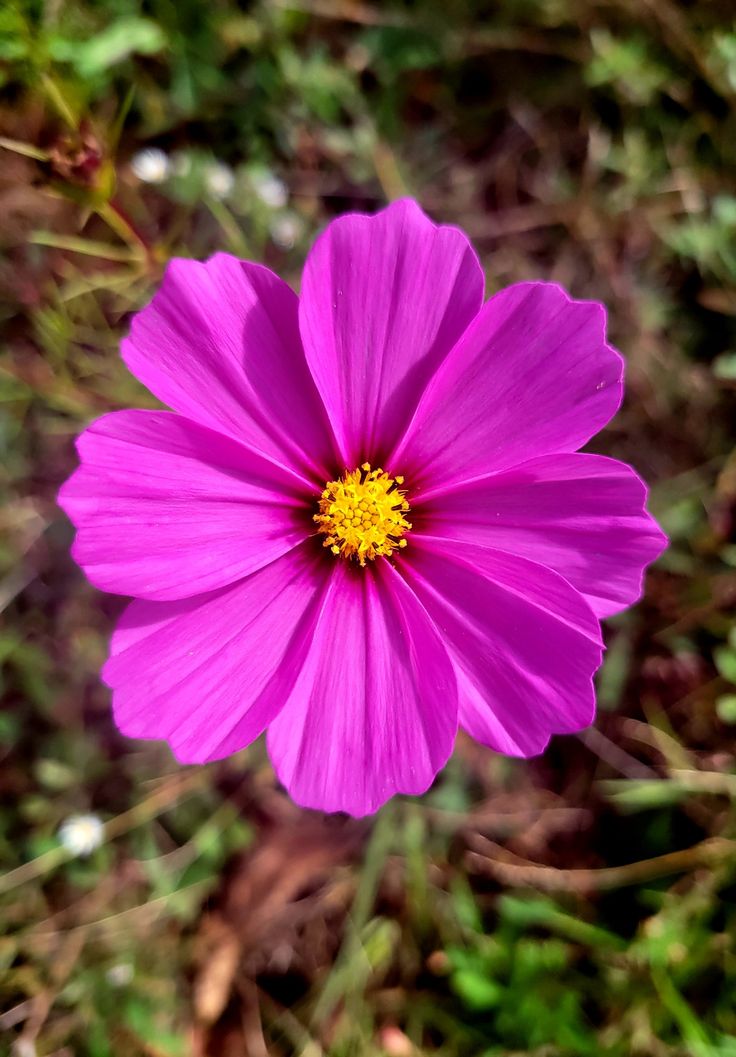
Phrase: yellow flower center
(362, 514)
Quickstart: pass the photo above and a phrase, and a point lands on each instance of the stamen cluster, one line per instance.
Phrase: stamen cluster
(362, 514)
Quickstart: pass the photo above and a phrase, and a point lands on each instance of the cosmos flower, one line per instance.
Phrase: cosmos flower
(365, 520)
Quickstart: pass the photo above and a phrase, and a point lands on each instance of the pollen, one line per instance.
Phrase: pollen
(363, 514)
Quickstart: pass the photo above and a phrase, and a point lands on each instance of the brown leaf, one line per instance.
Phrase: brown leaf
(214, 982)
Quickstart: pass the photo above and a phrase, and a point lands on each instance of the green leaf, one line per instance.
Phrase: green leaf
(724, 366)
(642, 795)
(476, 990)
(111, 46)
(725, 661)
(536, 912)
(726, 708)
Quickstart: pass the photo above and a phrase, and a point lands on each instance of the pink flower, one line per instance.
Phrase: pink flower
(365, 521)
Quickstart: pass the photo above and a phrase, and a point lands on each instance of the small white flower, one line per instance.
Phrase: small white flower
(81, 834)
(219, 179)
(285, 230)
(151, 165)
(120, 975)
(271, 191)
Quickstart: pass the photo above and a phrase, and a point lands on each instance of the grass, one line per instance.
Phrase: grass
(583, 903)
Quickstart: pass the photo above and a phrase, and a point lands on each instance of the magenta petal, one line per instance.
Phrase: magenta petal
(208, 674)
(581, 515)
(220, 343)
(525, 644)
(532, 375)
(167, 509)
(384, 299)
(374, 711)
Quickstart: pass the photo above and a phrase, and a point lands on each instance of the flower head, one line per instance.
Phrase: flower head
(285, 229)
(151, 165)
(81, 834)
(272, 191)
(363, 515)
(366, 520)
(120, 974)
(219, 179)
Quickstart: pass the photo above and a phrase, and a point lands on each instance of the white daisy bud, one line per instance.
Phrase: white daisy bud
(285, 230)
(151, 165)
(81, 834)
(271, 191)
(219, 179)
(119, 975)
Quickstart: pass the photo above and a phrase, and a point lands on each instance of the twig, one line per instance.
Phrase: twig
(116, 218)
(360, 14)
(614, 755)
(511, 869)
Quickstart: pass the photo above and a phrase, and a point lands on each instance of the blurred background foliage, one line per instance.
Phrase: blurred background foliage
(581, 904)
